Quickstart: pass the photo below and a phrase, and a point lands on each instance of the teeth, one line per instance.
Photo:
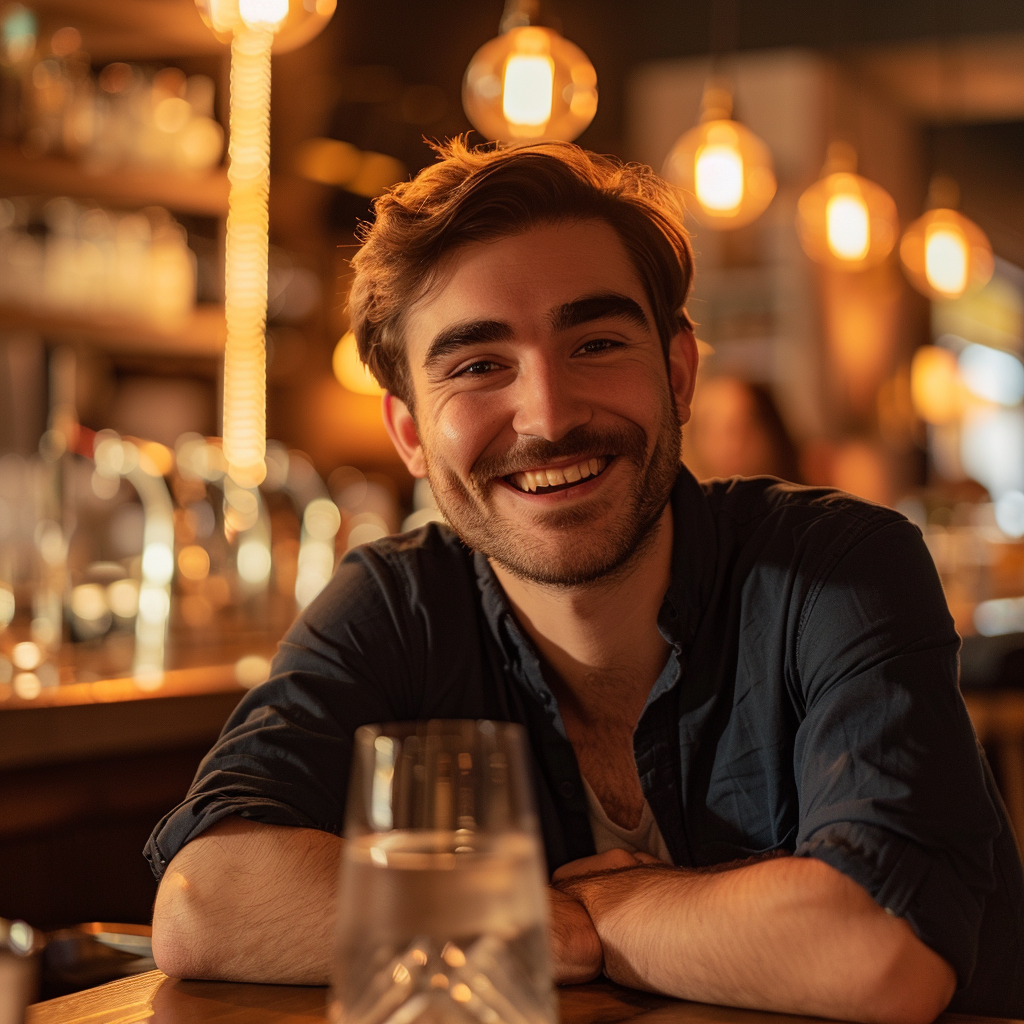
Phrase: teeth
(533, 479)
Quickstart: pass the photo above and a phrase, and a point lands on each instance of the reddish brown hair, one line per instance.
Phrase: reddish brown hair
(477, 195)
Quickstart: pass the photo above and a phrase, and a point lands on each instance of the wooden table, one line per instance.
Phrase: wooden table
(162, 1000)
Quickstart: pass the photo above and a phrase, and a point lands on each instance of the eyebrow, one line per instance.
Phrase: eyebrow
(605, 306)
(471, 332)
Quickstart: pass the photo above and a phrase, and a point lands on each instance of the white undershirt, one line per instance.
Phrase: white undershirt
(645, 838)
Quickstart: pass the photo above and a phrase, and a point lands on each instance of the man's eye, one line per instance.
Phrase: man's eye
(599, 345)
(477, 369)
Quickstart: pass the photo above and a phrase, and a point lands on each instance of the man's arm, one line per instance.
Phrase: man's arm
(246, 901)
(791, 935)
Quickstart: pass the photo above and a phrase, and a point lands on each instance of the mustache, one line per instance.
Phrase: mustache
(580, 442)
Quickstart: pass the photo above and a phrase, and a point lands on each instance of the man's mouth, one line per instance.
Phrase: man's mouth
(547, 481)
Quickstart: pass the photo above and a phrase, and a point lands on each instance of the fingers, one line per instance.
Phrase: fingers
(646, 858)
(608, 861)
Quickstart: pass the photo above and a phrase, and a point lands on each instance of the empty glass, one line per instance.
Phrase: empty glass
(443, 906)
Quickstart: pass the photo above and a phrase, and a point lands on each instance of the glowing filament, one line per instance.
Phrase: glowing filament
(718, 177)
(847, 227)
(528, 90)
(257, 13)
(945, 261)
(245, 287)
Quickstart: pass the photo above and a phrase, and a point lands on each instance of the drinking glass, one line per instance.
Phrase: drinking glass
(443, 906)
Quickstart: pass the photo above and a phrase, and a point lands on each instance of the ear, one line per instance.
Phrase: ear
(401, 428)
(682, 370)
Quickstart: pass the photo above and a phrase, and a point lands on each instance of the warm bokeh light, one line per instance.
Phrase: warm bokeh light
(527, 90)
(294, 22)
(847, 227)
(26, 655)
(945, 260)
(936, 388)
(847, 222)
(351, 372)
(256, 27)
(724, 164)
(530, 83)
(945, 255)
(245, 258)
(718, 177)
(362, 172)
(194, 562)
(258, 13)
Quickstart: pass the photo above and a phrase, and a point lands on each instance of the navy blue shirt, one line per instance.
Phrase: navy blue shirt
(809, 705)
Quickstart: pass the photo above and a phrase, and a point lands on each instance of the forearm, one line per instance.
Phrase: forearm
(576, 954)
(249, 902)
(790, 935)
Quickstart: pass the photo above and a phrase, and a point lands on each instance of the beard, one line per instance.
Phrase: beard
(595, 539)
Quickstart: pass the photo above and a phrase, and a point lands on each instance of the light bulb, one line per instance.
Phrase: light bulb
(945, 260)
(527, 91)
(847, 227)
(530, 83)
(256, 13)
(724, 164)
(846, 221)
(294, 21)
(945, 255)
(718, 174)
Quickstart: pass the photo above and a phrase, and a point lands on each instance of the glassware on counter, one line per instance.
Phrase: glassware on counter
(443, 907)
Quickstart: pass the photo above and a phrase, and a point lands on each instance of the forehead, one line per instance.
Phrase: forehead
(520, 278)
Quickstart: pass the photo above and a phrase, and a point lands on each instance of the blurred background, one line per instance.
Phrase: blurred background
(142, 590)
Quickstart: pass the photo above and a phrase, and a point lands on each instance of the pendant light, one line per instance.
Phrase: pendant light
(726, 167)
(945, 255)
(844, 220)
(255, 27)
(529, 83)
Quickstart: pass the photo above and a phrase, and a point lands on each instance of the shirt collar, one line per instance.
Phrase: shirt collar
(694, 550)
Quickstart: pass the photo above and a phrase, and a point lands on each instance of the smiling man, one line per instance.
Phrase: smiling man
(756, 778)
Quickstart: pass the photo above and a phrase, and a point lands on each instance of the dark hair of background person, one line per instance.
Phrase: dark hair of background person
(479, 194)
(779, 439)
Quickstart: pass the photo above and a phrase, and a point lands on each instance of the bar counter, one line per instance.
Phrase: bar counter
(155, 997)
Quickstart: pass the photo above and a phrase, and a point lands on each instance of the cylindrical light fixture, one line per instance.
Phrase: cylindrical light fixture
(844, 220)
(529, 83)
(944, 254)
(255, 27)
(723, 164)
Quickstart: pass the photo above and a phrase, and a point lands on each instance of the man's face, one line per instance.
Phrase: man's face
(545, 418)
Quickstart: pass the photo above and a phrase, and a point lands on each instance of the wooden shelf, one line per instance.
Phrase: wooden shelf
(202, 334)
(204, 193)
(139, 30)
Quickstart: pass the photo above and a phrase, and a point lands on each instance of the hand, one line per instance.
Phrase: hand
(610, 860)
(576, 953)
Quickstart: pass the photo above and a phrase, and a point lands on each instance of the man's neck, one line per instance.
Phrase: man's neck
(601, 641)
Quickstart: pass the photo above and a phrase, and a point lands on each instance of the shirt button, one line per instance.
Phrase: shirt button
(567, 789)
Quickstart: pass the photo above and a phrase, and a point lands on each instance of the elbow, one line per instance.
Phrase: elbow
(913, 985)
(170, 953)
(176, 949)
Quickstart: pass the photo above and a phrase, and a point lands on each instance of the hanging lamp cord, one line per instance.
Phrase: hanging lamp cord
(519, 13)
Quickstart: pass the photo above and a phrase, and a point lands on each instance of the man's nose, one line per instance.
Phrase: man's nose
(549, 400)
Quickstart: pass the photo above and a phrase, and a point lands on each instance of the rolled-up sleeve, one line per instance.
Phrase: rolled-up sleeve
(283, 757)
(892, 787)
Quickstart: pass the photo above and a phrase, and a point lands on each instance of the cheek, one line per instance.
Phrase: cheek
(467, 425)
